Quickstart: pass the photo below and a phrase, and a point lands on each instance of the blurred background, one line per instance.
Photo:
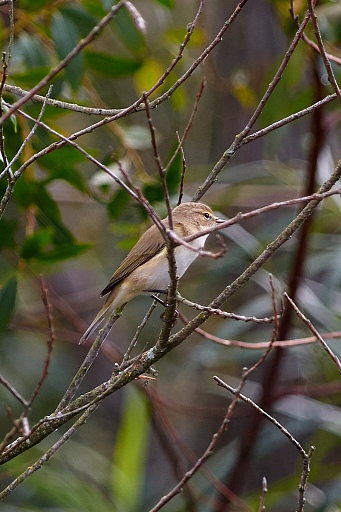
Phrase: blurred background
(70, 222)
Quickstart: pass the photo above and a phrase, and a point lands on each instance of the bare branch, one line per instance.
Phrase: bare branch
(28, 136)
(230, 152)
(308, 41)
(264, 344)
(89, 360)
(273, 420)
(329, 69)
(133, 342)
(207, 453)
(262, 498)
(49, 453)
(304, 478)
(224, 314)
(265, 209)
(286, 120)
(12, 390)
(157, 159)
(50, 341)
(305, 456)
(315, 332)
(62, 64)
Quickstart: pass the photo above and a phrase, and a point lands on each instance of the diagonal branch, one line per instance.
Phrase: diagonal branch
(230, 152)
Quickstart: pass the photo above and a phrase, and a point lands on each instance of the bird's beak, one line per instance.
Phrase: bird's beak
(218, 220)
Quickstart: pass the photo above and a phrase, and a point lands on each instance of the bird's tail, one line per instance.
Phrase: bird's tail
(95, 323)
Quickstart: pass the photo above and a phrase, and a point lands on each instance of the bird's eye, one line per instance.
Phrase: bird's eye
(207, 215)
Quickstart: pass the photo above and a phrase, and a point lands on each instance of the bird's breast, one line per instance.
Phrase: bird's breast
(154, 275)
(185, 257)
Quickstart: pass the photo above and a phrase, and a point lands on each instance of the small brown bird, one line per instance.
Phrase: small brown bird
(145, 269)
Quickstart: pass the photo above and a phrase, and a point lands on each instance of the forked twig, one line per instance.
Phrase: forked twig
(62, 64)
(306, 39)
(306, 456)
(320, 44)
(207, 453)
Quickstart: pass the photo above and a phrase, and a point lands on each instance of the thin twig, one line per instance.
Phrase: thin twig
(12, 390)
(62, 64)
(318, 196)
(30, 134)
(137, 334)
(49, 453)
(223, 314)
(157, 159)
(306, 39)
(2, 137)
(183, 172)
(189, 124)
(50, 341)
(289, 119)
(262, 498)
(273, 420)
(230, 152)
(186, 243)
(329, 69)
(260, 345)
(304, 478)
(88, 361)
(315, 332)
(207, 453)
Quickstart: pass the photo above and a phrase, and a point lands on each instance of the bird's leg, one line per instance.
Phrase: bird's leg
(163, 303)
(160, 301)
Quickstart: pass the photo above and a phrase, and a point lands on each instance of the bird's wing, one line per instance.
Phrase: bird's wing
(146, 247)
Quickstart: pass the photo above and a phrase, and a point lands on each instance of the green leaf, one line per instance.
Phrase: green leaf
(7, 233)
(128, 32)
(41, 246)
(33, 5)
(63, 252)
(61, 165)
(95, 8)
(131, 451)
(153, 192)
(170, 4)
(66, 36)
(148, 74)
(30, 50)
(25, 192)
(81, 18)
(118, 203)
(7, 302)
(13, 118)
(31, 77)
(111, 66)
(35, 244)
